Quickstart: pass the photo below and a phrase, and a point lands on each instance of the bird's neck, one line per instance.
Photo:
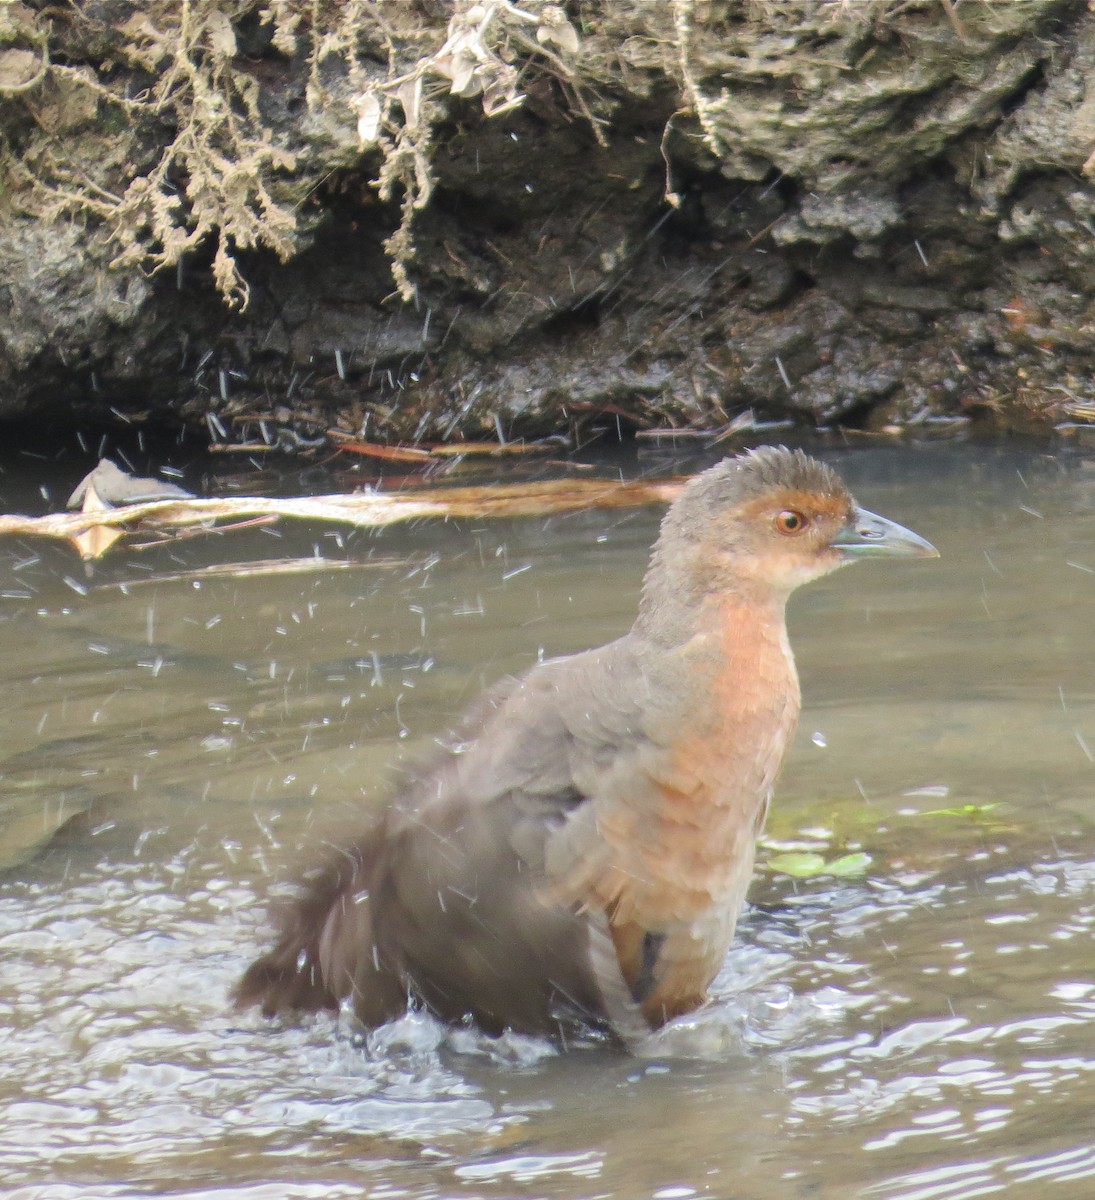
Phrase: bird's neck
(740, 660)
(685, 595)
(725, 669)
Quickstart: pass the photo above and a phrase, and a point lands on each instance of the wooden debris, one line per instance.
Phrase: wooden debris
(494, 449)
(353, 445)
(261, 568)
(96, 539)
(101, 490)
(659, 435)
(95, 529)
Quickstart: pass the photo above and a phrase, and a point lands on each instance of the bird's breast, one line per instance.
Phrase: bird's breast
(738, 714)
(684, 841)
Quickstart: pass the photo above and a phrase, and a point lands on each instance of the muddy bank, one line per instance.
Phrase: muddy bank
(657, 214)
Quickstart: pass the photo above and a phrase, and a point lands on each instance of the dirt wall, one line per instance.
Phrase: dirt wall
(428, 218)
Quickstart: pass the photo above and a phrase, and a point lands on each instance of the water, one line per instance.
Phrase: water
(922, 1031)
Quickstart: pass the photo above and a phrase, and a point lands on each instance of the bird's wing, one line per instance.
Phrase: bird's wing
(572, 765)
(495, 884)
(444, 893)
(567, 735)
(465, 896)
(613, 815)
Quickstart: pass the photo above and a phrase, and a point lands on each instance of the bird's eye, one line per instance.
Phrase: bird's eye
(791, 522)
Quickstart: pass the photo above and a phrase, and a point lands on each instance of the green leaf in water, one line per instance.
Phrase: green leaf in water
(960, 810)
(849, 865)
(800, 865)
(804, 865)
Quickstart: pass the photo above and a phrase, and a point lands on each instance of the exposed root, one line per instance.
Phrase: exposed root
(223, 177)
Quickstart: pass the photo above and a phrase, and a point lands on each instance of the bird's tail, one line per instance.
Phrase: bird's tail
(321, 932)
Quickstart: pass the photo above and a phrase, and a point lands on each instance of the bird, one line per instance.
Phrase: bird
(574, 856)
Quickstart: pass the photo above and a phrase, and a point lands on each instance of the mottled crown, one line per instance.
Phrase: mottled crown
(766, 469)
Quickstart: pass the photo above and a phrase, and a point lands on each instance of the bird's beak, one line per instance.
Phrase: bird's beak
(868, 535)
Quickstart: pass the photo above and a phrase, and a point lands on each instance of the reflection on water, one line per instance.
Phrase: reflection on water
(923, 1031)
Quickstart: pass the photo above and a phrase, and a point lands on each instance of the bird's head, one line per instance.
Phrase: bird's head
(769, 521)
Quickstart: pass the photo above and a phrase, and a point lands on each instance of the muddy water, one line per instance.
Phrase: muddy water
(923, 1029)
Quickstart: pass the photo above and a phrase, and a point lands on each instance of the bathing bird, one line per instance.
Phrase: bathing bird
(577, 852)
